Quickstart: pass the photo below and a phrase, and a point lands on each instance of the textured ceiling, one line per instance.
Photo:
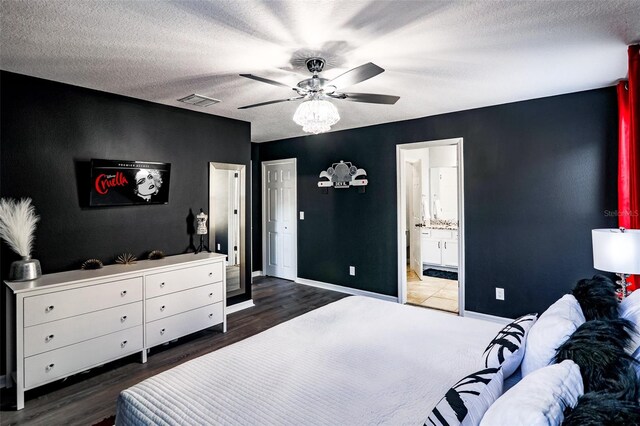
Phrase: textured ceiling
(439, 56)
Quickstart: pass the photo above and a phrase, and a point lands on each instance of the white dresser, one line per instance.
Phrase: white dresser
(65, 323)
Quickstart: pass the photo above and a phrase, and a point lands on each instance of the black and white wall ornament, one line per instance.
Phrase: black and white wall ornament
(343, 175)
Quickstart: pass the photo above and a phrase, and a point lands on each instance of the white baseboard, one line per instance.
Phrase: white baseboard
(347, 290)
(256, 274)
(240, 306)
(487, 317)
(3, 381)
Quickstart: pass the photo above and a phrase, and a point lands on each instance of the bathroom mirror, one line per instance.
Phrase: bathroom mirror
(227, 219)
(444, 193)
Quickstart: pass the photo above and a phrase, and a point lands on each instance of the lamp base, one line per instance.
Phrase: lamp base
(623, 284)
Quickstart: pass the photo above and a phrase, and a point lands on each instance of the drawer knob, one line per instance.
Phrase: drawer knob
(161, 285)
(210, 274)
(49, 338)
(123, 318)
(210, 315)
(162, 331)
(162, 308)
(49, 367)
(123, 344)
(210, 294)
(49, 308)
(123, 293)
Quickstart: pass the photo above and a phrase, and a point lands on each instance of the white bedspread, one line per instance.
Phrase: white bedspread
(358, 361)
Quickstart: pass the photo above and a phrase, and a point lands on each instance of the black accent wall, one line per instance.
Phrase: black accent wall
(539, 176)
(50, 131)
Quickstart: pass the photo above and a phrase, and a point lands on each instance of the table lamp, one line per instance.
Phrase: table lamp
(617, 250)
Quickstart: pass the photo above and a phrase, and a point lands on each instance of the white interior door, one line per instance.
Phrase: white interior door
(280, 231)
(415, 228)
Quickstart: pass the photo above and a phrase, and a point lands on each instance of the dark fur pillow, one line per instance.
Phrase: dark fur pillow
(599, 349)
(602, 409)
(597, 297)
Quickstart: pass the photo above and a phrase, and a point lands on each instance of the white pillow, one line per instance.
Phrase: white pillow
(507, 349)
(629, 309)
(467, 401)
(539, 398)
(551, 330)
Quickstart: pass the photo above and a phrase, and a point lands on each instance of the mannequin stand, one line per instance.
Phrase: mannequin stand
(202, 246)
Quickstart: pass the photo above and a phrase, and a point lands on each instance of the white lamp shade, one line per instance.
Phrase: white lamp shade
(616, 251)
(316, 116)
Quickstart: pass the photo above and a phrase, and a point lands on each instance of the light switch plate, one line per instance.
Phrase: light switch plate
(352, 271)
(499, 293)
(301, 215)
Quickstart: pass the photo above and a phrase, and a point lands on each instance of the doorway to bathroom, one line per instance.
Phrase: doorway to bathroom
(431, 225)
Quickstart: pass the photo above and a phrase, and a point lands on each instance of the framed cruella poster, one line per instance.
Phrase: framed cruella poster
(122, 183)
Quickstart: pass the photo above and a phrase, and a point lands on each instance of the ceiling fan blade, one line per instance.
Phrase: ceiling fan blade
(356, 75)
(270, 102)
(266, 80)
(370, 98)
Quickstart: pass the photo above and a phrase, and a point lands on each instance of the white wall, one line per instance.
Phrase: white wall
(443, 156)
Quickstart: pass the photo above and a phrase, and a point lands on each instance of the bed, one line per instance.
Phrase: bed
(355, 361)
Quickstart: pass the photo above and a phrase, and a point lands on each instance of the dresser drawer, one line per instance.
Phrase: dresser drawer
(182, 324)
(68, 303)
(48, 366)
(182, 279)
(56, 334)
(175, 303)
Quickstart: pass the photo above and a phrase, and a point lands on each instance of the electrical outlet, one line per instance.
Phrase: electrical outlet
(352, 271)
(218, 247)
(301, 215)
(499, 293)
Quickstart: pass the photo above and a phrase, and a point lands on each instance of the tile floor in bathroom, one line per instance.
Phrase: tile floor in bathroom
(436, 293)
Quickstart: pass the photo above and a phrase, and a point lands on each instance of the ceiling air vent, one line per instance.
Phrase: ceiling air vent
(198, 100)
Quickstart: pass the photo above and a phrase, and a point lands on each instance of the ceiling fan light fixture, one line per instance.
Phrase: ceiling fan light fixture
(316, 116)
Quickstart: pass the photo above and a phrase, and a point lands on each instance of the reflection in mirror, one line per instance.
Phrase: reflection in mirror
(227, 213)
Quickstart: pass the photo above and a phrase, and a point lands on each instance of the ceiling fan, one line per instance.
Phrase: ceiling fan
(318, 88)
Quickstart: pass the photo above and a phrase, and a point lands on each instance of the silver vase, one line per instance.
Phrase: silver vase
(25, 269)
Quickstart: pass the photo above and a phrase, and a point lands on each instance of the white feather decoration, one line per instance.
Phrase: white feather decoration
(17, 224)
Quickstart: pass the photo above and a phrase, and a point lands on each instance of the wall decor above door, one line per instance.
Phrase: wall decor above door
(343, 175)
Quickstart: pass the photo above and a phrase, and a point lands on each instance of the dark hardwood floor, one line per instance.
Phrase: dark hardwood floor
(87, 398)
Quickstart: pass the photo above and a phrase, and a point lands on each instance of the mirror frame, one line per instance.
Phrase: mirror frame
(240, 168)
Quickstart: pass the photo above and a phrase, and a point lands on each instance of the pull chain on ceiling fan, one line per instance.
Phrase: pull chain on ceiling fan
(316, 114)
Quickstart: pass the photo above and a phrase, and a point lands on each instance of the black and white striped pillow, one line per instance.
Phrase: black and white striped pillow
(506, 350)
(467, 401)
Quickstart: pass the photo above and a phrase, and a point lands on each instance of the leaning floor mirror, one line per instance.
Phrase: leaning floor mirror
(227, 220)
